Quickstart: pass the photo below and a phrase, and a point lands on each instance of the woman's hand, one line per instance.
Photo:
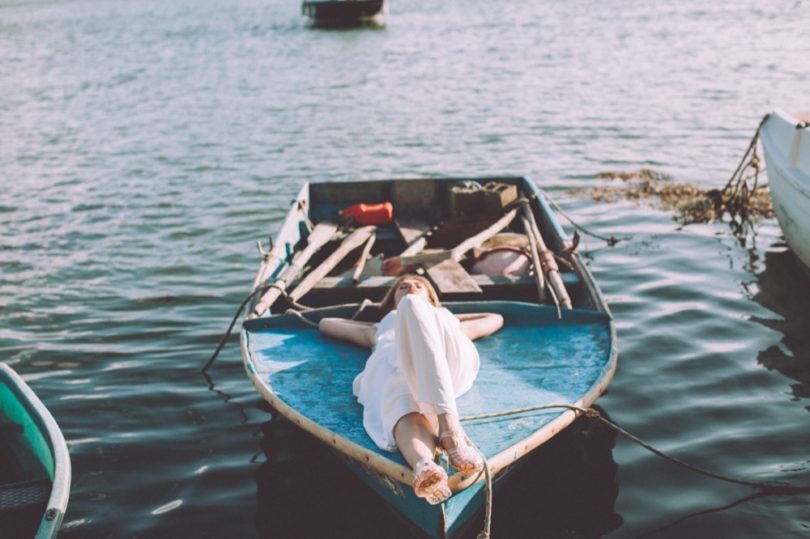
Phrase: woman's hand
(477, 325)
(359, 333)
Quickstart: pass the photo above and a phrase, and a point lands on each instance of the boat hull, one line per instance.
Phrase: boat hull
(787, 156)
(38, 487)
(344, 12)
(541, 356)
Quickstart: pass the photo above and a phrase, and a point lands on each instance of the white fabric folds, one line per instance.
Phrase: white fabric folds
(422, 362)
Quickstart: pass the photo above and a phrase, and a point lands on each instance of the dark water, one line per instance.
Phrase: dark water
(144, 147)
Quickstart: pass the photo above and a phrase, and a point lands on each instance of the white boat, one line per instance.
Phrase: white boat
(786, 142)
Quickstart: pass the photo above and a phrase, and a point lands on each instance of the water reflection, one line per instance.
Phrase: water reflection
(784, 288)
(566, 488)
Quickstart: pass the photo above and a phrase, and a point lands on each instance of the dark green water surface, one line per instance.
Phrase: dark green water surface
(146, 146)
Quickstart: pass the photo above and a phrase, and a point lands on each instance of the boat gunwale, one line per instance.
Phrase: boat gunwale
(60, 483)
(770, 145)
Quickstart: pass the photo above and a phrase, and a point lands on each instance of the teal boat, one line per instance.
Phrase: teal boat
(557, 347)
(34, 463)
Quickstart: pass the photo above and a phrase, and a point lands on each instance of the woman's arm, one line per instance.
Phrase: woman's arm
(359, 333)
(477, 325)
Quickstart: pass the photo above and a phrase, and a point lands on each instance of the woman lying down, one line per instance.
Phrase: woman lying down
(423, 359)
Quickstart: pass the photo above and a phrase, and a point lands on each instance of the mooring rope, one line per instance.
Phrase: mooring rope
(262, 290)
(735, 196)
(224, 339)
(764, 487)
(611, 241)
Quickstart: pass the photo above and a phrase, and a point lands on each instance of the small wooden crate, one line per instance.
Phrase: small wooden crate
(477, 202)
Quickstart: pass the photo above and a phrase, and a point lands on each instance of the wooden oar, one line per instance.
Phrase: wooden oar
(539, 274)
(414, 232)
(456, 253)
(352, 242)
(320, 235)
(547, 259)
(361, 262)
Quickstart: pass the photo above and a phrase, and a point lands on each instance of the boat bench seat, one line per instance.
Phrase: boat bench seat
(331, 290)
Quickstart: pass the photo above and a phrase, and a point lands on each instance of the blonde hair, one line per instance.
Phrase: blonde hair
(387, 303)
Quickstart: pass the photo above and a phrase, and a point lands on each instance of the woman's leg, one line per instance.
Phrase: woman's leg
(423, 355)
(416, 439)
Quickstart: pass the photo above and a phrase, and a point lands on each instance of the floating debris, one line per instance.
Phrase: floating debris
(742, 199)
(689, 202)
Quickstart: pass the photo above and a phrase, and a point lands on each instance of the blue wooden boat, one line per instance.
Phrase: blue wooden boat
(34, 463)
(546, 354)
(344, 12)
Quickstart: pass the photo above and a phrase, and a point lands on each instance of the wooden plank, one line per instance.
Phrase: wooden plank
(413, 231)
(450, 277)
(403, 262)
(354, 240)
(320, 236)
(384, 281)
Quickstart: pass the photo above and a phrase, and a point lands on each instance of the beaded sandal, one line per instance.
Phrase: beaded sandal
(430, 482)
(464, 457)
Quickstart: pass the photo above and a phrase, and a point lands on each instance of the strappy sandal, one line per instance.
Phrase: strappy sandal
(430, 482)
(464, 457)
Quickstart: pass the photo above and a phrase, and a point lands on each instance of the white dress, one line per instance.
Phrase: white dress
(422, 362)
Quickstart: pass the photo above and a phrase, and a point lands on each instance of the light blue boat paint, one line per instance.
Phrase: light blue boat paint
(534, 359)
(537, 358)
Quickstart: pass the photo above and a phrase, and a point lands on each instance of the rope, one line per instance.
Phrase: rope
(261, 289)
(225, 337)
(303, 318)
(363, 304)
(486, 532)
(611, 241)
(735, 196)
(767, 487)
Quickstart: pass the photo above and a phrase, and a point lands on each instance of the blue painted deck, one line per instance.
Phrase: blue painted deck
(535, 359)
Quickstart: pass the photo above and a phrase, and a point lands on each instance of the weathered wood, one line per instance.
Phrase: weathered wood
(457, 253)
(361, 261)
(352, 242)
(553, 274)
(539, 274)
(414, 232)
(320, 235)
(449, 277)
(412, 197)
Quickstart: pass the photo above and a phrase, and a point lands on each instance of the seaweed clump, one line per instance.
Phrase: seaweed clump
(689, 203)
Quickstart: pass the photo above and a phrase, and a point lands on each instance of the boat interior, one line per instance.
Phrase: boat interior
(441, 214)
(25, 484)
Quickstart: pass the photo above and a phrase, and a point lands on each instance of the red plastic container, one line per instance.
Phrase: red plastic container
(370, 214)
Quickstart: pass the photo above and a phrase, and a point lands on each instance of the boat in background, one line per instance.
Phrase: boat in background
(34, 463)
(786, 143)
(557, 347)
(340, 13)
